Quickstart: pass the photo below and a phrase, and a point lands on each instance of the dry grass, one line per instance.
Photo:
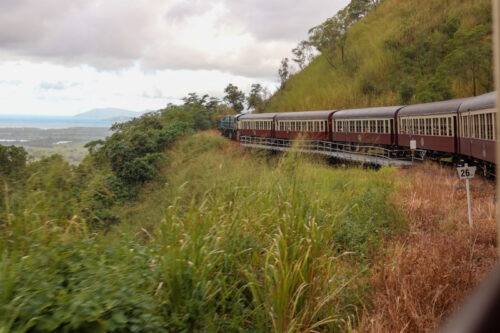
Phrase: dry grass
(427, 273)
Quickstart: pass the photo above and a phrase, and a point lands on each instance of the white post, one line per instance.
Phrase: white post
(467, 172)
(468, 201)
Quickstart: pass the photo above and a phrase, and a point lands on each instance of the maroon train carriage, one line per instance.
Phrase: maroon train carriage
(433, 126)
(310, 125)
(259, 125)
(366, 126)
(477, 123)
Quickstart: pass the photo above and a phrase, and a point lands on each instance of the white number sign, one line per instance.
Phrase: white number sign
(466, 172)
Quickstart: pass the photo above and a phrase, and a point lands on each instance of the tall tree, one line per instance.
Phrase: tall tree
(234, 97)
(284, 72)
(257, 97)
(330, 38)
(303, 54)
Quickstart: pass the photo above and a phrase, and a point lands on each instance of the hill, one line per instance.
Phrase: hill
(114, 114)
(401, 52)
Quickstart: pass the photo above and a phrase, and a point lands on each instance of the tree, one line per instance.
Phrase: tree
(234, 97)
(470, 58)
(257, 97)
(330, 37)
(194, 99)
(12, 159)
(357, 9)
(303, 53)
(283, 72)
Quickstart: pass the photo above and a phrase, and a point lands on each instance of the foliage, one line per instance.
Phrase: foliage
(258, 238)
(234, 97)
(284, 72)
(257, 97)
(12, 160)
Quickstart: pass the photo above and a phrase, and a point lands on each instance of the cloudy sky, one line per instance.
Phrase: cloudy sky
(63, 57)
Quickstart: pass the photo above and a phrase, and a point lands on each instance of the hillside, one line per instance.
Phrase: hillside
(402, 52)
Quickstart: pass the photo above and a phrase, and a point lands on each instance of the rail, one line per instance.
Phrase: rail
(366, 153)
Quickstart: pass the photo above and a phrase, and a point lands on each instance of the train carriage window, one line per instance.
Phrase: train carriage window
(489, 126)
(494, 122)
(482, 121)
(373, 128)
(475, 126)
(465, 126)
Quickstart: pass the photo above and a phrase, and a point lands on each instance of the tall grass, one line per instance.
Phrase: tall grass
(265, 243)
(426, 274)
(235, 240)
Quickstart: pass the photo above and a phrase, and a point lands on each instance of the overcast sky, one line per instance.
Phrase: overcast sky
(64, 57)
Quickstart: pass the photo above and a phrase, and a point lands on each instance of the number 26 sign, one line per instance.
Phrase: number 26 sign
(466, 172)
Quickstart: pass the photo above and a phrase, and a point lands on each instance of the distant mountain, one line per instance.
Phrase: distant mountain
(110, 114)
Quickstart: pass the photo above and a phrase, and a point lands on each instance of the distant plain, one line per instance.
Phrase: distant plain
(68, 142)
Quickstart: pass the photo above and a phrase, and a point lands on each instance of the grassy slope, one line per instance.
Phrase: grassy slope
(282, 220)
(371, 62)
(291, 239)
(234, 240)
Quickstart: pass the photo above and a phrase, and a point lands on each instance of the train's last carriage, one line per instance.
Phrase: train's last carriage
(433, 126)
(477, 128)
(256, 125)
(311, 125)
(366, 126)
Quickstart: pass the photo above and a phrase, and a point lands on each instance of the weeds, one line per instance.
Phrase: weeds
(229, 240)
(426, 274)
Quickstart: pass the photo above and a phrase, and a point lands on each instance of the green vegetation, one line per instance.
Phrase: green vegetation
(166, 227)
(222, 240)
(161, 229)
(399, 53)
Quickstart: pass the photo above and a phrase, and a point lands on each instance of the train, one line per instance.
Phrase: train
(457, 130)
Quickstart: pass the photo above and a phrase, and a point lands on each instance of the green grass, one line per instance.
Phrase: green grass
(399, 48)
(225, 240)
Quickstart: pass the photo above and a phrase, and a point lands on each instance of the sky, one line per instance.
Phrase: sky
(60, 57)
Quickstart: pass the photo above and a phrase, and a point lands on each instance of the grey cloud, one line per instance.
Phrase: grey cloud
(78, 31)
(115, 34)
(287, 20)
(184, 10)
